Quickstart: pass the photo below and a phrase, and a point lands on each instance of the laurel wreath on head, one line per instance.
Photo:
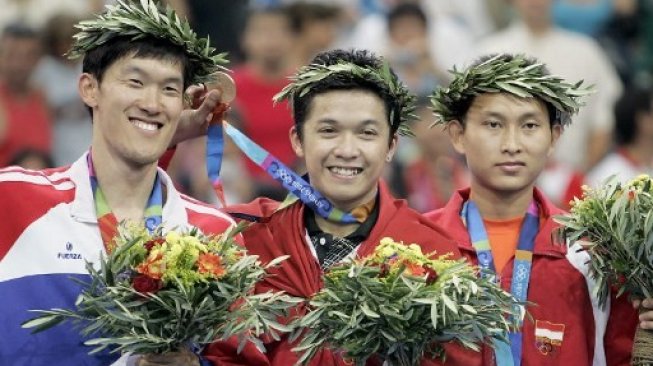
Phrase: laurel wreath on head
(514, 74)
(403, 102)
(145, 18)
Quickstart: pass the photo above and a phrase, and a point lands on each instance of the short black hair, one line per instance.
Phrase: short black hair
(362, 58)
(462, 107)
(98, 60)
(407, 10)
(630, 105)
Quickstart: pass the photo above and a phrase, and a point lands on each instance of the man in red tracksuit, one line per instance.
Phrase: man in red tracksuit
(505, 113)
(345, 130)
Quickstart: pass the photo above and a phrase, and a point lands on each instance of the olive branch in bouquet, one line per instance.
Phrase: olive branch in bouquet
(614, 224)
(157, 293)
(401, 305)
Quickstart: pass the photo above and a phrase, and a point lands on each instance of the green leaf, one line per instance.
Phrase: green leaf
(43, 322)
(368, 312)
(450, 304)
(276, 261)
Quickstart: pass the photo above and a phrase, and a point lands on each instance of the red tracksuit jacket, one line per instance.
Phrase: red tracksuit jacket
(561, 288)
(300, 275)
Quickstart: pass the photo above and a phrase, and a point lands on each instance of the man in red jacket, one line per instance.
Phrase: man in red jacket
(347, 110)
(505, 113)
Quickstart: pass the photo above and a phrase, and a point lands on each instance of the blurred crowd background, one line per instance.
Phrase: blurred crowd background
(608, 43)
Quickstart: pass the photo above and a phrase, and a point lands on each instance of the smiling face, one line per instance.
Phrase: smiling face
(136, 108)
(506, 141)
(345, 144)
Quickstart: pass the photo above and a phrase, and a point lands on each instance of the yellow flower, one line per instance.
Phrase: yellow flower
(175, 250)
(173, 237)
(387, 241)
(415, 248)
(193, 252)
(194, 243)
(386, 252)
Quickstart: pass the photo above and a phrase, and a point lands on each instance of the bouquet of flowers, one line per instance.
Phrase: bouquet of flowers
(178, 291)
(400, 305)
(614, 225)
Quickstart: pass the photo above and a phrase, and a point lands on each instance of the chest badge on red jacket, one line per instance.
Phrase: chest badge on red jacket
(548, 336)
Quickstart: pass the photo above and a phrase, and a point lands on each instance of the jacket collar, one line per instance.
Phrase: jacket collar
(544, 241)
(82, 208)
(388, 207)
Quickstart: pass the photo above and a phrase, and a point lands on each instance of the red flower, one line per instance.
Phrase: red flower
(153, 242)
(431, 275)
(210, 263)
(146, 284)
(631, 195)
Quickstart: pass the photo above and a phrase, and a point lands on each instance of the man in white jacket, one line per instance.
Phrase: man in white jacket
(135, 74)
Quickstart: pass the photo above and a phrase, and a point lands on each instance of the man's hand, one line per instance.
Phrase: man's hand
(645, 317)
(208, 103)
(194, 121)
(181, 358)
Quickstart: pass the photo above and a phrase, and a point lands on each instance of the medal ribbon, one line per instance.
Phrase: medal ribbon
(506, 355)
(107, 221)
(291, 181)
